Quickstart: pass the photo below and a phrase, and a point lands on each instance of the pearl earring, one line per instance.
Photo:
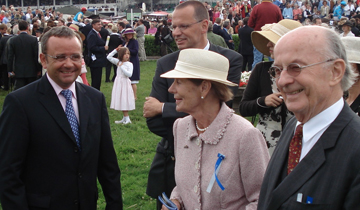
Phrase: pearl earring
(202, 97)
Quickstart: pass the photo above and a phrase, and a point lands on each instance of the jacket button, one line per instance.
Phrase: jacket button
(80, 175)
(76, 202)
(76, 149)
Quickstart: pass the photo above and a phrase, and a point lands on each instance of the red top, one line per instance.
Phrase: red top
(264, 13)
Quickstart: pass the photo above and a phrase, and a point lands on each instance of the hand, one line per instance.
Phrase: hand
(176, 202)
(231, 41)
(152, 107)
(11, 74)
(273, 100)
(106, 47)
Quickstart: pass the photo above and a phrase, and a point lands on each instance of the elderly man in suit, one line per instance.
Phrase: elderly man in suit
(55, 137)
(97, 52)
(316, 163)
(190, 24)
(22, 57)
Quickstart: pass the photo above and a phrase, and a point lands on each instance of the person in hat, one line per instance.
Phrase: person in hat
(209, 135)
(79, 17)
(261, 96)
(339, 10)
(346, 27)
(133, 45)
(352, 96)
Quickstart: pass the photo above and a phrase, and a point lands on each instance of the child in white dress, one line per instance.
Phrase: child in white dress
(122, 96)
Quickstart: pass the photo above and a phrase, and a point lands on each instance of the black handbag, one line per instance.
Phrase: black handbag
(168, 38)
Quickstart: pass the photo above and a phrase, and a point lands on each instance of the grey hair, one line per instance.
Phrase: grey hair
(226, 23)
(61, 32)
(335, 49)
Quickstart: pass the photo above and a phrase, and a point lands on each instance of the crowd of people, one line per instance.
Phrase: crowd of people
(305, 94)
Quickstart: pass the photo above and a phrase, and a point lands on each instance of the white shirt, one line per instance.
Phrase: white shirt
(316, 126)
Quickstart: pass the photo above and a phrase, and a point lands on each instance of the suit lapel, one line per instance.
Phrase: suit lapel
(308, 165)
(84, 113)
(52, 104)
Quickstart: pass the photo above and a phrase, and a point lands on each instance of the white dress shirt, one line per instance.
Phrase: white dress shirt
(316, 126)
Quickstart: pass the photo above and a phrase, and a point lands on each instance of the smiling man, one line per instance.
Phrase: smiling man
(189, 28)
(55, 137)
(316, 162)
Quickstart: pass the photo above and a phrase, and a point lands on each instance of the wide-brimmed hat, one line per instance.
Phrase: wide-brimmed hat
(76, 29)
(352, 48)
(128, 31)
(272, 32)
(201, 64)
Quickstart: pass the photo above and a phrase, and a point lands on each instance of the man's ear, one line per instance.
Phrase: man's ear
(338, 71)
(43, 60)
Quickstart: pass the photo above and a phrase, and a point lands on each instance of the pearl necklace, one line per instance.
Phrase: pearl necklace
(200, 129)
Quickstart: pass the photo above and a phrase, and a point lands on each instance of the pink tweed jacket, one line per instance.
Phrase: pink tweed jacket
(241, 172)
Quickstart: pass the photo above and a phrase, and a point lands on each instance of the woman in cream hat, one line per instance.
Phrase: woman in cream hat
(261, 95)
(210, 135)
(133, 45)
(352, 47)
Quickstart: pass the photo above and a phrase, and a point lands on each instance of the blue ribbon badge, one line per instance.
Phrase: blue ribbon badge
(221, 157)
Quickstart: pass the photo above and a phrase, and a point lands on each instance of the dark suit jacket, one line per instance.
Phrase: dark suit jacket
(3, 49)
(329, 173)
(96, 46)
(245, 46)
(227, 38)
(23, 56)
(161, 175)
(40, 164)
(114, 42)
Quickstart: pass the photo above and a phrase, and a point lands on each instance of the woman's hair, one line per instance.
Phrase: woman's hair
(221, 91)
(121, 52)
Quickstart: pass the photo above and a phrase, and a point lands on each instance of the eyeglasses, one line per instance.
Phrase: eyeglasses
(61, 58)
(293, 69)
(183, 27)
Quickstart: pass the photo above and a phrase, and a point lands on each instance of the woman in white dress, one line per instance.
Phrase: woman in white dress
(122, 96)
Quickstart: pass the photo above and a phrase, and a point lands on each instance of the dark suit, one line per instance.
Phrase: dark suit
(114, 42)
(23, 59)
(3, 61)
(329, 173)
(219, 31)
(246, 47)
(96, 46)
(40, 164)
(227, 39)
(161, 175)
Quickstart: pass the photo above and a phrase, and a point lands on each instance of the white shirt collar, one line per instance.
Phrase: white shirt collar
(207, 45)
(58, 89)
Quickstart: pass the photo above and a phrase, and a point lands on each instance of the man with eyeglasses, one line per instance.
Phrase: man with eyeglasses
(55, 137)
(189, 28)
(316, 162)
(22, 57)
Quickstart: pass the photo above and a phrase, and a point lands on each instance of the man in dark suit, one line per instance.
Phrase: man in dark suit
(228, 39)
(114, 42)
(3, 59)
(53, 149)
(23, 57)
(97, 51)
(217, 28)
(246, 46)
(189, 31)
(318, 166)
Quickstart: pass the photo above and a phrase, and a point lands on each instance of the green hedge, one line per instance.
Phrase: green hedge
(154, 50)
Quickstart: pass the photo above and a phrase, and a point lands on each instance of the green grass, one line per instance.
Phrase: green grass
(134, 143)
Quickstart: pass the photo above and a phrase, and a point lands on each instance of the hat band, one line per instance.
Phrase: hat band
(279, 30)
(198, 71)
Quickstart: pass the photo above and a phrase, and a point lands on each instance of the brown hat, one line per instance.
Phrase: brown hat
(272, 32)
(76, 29)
